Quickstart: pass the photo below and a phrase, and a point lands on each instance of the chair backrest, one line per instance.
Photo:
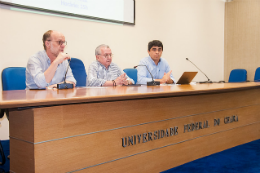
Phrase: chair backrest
(238, 75)
(79, 71)
(132, 73)
(13, 78)
(257, 75)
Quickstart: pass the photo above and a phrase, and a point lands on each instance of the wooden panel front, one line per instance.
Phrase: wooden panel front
(74, 137)
(168, 157)
(22, 158)
(69, 120)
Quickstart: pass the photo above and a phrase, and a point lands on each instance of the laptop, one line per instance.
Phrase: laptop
(187, 77)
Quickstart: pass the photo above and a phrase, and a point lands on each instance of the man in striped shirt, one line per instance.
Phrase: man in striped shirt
(103, 72)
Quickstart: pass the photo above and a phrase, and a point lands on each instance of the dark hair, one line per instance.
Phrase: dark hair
(155, 43)
(45, 37)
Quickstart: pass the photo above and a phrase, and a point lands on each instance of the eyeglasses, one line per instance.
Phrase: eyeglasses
(107, 55)
(60, 42)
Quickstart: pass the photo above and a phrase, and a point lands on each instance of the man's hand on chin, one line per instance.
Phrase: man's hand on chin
(61, 57)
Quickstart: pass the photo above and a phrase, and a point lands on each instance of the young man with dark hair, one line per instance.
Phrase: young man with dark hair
(158, 66)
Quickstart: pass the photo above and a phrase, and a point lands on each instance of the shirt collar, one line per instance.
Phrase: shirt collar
(103, 65)
(151, 61)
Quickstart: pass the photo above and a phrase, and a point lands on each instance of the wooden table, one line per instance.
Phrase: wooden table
(128, 129)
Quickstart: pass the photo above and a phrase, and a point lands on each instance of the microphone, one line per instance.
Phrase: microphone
(209, 81)
(65, 85)
(152, 83)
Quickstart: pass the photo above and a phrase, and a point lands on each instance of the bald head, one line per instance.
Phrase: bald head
(50, 35)
(53, 43)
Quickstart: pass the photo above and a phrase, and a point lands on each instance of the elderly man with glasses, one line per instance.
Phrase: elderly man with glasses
(103, 72)
(47, 68)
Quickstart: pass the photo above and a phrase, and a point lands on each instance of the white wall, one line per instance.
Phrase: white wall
(194, 29)
(187, 28)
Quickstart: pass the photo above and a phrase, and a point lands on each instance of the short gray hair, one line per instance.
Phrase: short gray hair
(98, 49)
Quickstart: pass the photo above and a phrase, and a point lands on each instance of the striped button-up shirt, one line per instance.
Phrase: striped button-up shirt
(98, 74)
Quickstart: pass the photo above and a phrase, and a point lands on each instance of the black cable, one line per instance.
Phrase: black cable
(2, 170)
(2, 154)
(2, 111)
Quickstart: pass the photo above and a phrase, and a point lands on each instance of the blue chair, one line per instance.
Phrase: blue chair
(238, 75)
(13, 78)
(257, 75)
(79, 72)
(132, 73)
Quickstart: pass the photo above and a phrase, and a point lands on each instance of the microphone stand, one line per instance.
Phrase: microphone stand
(153, 82)
(65, 85)
(209, 81)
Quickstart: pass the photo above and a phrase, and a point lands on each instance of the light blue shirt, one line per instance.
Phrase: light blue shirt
(143, 76)
(98, 74)
(36, 67)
